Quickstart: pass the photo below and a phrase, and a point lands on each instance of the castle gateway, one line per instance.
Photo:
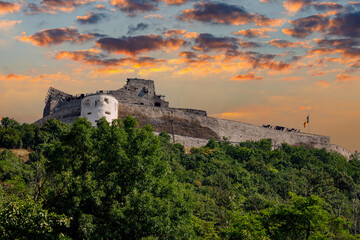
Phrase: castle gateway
(190, 127)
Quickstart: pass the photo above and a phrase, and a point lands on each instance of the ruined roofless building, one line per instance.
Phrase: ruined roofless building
(190, 127)
(67, 107)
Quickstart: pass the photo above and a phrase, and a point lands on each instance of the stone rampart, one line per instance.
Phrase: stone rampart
(335, 148)
(201, 127)
(192, 127)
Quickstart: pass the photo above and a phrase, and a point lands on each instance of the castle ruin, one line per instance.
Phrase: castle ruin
(190, 127)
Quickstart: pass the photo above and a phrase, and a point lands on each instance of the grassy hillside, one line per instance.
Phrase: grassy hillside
(123, 182)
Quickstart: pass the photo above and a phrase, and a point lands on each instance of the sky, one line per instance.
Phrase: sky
(254, 61)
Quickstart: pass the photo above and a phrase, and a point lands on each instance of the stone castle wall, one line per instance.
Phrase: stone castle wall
(202, 127)
(191, 127)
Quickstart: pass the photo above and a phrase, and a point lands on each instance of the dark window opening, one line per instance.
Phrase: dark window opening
(106, 100)
(157, 104)
(89, 113)
(107, 113)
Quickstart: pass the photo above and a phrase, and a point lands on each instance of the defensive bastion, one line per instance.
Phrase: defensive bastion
(190, 127)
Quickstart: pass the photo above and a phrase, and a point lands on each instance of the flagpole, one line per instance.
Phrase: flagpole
(309, 122)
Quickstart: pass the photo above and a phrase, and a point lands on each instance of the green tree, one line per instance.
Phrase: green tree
(304, 218)
(25, 219)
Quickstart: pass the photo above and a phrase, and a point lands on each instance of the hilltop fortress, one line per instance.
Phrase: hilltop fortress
(190, 127)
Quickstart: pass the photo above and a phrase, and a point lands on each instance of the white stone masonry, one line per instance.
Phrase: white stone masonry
(94, 107)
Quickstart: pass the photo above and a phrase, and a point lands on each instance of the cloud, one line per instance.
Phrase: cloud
(8, 7)
(348, 48)
(8, 24)
(100, 7)
(247, 44)
(247, 77)
(177, 2)
(303, 27)
(325, 6)
(323, 83)
(292, 79)
(54, 6)
(132, 7)
(194, 59)
(174, 32)
(139, 27)
(286, 44)
(191, 35)
(93, 57)
(293, 6)
(222, 13)
(255, 32)
(156, 16)
(258, 60)
(44, 78)
(90, 18)
(138, 44)
(206, 42)
(345, 24)
(55, 36)
(346, 78)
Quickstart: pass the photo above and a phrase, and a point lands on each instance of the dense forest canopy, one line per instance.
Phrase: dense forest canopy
(120, 181)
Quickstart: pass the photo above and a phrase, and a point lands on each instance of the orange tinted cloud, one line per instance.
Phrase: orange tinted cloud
(45, 78)
(8, 7)
(258, 60)
(156, 16)
(176, 2)
(13, 77)
(135, 45)
(255, 32)
(54, 36)
(247, 77)
(174, 32)
(64, 5)
(323, 83)
(286, 44)
(93, 57)
(7, 24)
(100, 6)
(207, 42)
(348, 48)
(293, 6)
(222, 13)
(324, 6)
(133, 7)
(90, 18)
(292, 79)
(191, 35)
(54, 6)
(303, 27)
(346, 78)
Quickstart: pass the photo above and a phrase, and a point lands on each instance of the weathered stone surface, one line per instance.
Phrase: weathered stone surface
(191, 127)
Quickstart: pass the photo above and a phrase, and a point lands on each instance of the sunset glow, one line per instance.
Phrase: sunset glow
(255, 61)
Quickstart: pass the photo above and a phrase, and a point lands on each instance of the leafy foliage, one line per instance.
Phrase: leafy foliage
(120, 181)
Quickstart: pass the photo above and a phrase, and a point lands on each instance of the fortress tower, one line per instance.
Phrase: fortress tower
(94, 107)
